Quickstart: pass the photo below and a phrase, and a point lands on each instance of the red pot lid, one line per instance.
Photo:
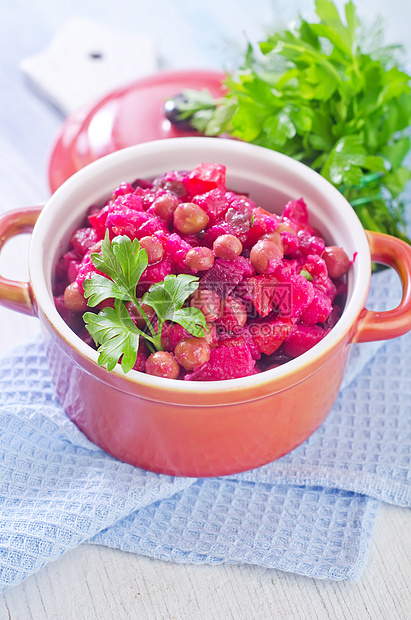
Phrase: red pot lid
(127, 116)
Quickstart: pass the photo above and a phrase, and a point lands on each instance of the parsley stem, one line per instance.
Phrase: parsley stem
(149, 345)
(319, 58)
(157, 342)
(143, 334)
(365, 200)
(367, 219)
(145, 317)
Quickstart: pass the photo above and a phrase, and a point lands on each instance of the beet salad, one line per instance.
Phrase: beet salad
(182, 278)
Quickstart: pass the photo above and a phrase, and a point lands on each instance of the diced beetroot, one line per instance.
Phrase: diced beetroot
(92, 209)
(244, 292)
(287, 269)
(85, 269)
(72, 270)
(225, 363)
(262, 223)
(142, 183)
(340, 288)
(238, 216)
(250, 342)
(123, 189)
(134, 224)
(106, 303)
(64, 263)
(205, 177)
(301, 338)
(291, 243)
(171, 334)
(215, 231)
(262, 289)
(302, 294)
(193, 240)
(173, 182)
(332, 318)
(327, 286)
(242, 337)
(315, 265)
(232, 341)
(142, 355)
(98, 219)
(153, 274)
(224, 275)
(269, 334)
(235, 199)
(150, 227)
(233, 314)
(211, 337)
(175, 248)
(318, 310)
(125, 222)
(295, 294)
(310, 244)
(127, 201)
(296, 211)
(83, 239)
(278, 358)
(148, 197)
(214, 203)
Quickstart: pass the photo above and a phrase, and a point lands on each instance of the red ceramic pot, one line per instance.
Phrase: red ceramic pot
(203, 428)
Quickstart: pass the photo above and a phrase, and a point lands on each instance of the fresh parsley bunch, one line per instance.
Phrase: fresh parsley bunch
(314, 93)
(122, 262)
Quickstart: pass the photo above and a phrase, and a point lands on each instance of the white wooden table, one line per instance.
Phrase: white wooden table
(98, 582)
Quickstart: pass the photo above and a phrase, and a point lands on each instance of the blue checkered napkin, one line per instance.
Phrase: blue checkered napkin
(57, 489)
(310, 530)
(311, 512)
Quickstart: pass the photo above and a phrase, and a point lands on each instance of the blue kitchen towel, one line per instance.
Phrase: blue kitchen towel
(311, 512)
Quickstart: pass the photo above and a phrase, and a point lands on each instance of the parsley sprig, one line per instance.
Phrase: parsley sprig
(122, 263)
(319, 93)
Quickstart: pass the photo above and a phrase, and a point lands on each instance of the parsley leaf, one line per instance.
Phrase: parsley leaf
(121, 263)
(307, 275)
(328, 95)
(167, 298)
(192, 319)
(114, 330)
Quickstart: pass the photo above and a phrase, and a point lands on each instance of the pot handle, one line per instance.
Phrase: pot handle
(13, 294)
(371, 326)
